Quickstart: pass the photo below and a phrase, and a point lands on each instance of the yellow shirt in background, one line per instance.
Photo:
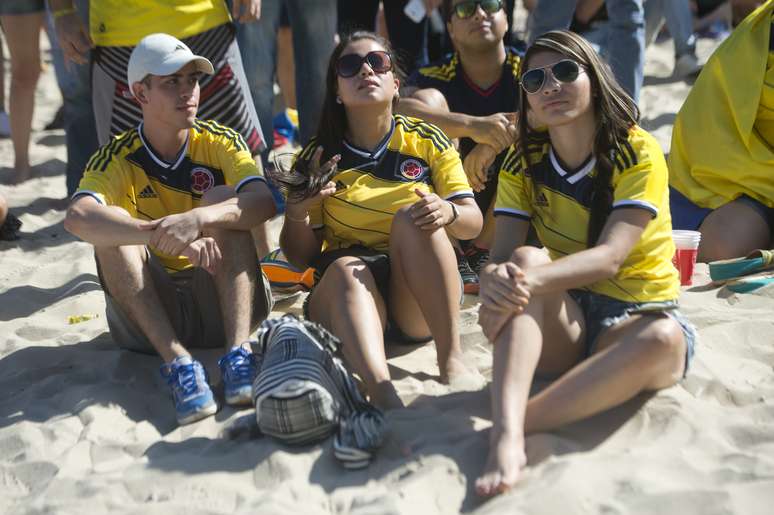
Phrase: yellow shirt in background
(126, 22)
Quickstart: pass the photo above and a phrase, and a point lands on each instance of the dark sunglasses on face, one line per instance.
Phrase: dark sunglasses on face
(466, 9)
(565, 71)
(349, 65)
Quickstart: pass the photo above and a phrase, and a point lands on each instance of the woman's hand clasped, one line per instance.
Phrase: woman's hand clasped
(504, 293)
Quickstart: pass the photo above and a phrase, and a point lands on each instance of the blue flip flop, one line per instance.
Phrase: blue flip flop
(750, 282)
(755, 261)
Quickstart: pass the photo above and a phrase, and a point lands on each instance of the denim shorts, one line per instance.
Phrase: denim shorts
(601, 312)
(688, 216)
(11, 7)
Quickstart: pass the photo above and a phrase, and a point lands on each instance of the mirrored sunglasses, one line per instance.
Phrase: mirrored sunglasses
(565, 71)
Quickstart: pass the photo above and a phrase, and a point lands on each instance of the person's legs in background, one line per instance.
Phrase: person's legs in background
(22, 32)
(409, 39)
(625, 47)
(314, 29)
(679, 21)
(286, 70)
(258, 48)
(80, 129)
(5, 123)
(550, 15)
(626, 43)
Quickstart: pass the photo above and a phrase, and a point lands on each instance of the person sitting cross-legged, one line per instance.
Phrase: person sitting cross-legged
(168, 207)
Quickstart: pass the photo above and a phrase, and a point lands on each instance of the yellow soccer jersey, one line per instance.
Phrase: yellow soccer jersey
(126, 22)
(127, 173)
(764, 118)
(559, 210)
(372, 186)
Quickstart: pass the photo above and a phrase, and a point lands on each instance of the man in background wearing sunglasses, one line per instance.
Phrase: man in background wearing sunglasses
(472, 95)
(625, 48)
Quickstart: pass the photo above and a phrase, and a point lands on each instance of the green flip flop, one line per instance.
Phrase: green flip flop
(755, 261)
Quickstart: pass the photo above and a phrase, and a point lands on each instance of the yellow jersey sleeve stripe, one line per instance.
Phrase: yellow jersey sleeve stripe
(221, 130)
(114, 148)
(102, 156)
(439, 139)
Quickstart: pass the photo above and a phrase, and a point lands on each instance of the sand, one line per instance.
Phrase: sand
(87, 428)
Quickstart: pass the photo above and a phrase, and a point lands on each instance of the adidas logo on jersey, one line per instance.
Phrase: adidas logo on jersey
(541, 200)
(147, 192)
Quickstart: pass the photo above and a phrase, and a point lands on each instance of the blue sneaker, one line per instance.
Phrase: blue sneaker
(192, 395)
(238, 369)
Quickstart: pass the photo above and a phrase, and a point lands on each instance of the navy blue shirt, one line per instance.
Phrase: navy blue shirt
(462, 94)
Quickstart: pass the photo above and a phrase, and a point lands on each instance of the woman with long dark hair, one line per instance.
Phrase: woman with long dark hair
(598, 309)
(372, 219)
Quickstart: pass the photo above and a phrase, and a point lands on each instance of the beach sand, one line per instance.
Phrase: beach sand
(87, 428)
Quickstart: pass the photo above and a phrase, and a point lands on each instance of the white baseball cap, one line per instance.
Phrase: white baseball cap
(162, 54)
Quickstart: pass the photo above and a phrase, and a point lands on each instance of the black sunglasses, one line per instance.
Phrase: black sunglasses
(348, 65)
(466, 9)
(565, 71)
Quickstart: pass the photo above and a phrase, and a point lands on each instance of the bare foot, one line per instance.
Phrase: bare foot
(503, 465)
(457, 375)
(385, 397)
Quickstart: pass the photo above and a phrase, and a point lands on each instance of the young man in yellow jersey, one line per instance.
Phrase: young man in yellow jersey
(169, 207)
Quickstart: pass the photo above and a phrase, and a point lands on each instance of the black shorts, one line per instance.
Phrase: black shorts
(378, 263)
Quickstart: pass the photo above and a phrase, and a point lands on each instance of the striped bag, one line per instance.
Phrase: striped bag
(303, 393)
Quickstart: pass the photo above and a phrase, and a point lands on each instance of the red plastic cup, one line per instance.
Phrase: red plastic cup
(686, 249)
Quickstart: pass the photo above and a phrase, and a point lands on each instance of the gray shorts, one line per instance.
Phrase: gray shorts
(190, 301)
(601, 312)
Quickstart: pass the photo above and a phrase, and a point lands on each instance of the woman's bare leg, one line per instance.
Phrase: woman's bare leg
(548, 333)
(425, 291)
(22, 33)
(347, 302)
(643, 353)
(640, 354)
(733, 230)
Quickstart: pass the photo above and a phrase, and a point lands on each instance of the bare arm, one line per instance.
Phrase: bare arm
(497, 130)
(104, 226)
(506, 288)
(299, 242)
(622, 231)
(454, 125)
(253, 205)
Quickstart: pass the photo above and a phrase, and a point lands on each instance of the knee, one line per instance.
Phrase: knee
(432, 98)
(402, 221)
(529, 257)
(217, 195)
(344, 272)
(665, 345)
